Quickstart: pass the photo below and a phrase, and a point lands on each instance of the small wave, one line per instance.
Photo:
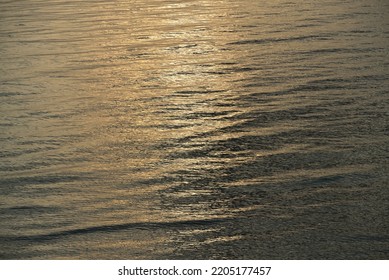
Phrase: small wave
(113, 228)
(275, 40)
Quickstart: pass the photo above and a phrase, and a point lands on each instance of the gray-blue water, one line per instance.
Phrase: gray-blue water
(208, 129)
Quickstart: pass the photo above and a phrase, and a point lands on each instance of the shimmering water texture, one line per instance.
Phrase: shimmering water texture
(207, 129)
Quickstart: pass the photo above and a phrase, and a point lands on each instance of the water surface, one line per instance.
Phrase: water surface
(194, 129)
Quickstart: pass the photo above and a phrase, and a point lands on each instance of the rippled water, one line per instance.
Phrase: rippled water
(157, 129)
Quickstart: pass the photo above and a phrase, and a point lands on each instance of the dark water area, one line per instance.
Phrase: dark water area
(157, 129)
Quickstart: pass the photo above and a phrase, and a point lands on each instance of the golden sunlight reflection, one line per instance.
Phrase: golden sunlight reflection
(155, 84)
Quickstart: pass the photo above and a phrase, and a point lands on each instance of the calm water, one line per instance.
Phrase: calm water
(161, 129)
